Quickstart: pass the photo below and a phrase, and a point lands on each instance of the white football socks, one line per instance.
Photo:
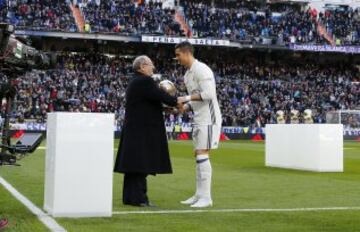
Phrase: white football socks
(203, 176)
(202, 197)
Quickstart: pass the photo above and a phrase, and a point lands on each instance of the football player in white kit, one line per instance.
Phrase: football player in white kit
(200, 84)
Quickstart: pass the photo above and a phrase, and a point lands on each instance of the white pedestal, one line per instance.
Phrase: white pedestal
(79, 164)
(312, 147)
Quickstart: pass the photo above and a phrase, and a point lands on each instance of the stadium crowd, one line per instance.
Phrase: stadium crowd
(41, 15)
(129, 17)
(286, 24)
(240, 21)
(249, 93)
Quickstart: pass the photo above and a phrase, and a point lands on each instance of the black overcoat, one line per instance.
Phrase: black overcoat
(143, 144)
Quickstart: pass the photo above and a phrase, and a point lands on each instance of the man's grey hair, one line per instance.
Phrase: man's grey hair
(140, 60)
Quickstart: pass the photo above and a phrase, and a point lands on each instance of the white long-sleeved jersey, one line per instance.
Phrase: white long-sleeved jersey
(199, 79)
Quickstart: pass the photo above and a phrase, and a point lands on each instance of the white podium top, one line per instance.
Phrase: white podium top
(79, 164)
(314, 147)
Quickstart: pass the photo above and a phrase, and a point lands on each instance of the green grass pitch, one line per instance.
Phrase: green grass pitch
(240, 181)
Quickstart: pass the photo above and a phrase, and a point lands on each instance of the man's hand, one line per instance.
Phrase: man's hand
(171, 110)
(181, 108)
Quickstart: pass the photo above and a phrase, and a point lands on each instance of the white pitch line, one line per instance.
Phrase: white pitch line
(235, 210)
(48, 221)
(346, 148)
(43, 148)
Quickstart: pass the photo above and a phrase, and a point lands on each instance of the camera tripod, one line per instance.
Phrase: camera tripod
(7, 91)
(10, 153)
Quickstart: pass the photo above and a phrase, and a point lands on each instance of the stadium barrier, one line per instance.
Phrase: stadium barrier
(232, 133)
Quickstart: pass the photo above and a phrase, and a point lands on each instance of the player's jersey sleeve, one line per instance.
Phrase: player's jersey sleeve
(205, 78)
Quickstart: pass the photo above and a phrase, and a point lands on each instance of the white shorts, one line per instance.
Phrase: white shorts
(206, 137)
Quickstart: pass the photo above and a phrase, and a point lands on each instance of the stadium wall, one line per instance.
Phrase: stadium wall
(349, 135)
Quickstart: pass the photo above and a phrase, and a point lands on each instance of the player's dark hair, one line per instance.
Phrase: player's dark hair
(185, 47)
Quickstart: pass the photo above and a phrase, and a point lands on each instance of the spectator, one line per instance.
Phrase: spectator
(242, 20)
(38, 15)
(249, 93)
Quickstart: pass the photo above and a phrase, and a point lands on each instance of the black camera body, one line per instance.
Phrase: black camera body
(16, 58)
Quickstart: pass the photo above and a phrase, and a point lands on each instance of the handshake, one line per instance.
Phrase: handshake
(181, 106)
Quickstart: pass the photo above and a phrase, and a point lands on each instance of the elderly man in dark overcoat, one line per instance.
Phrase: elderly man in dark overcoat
(143, 148)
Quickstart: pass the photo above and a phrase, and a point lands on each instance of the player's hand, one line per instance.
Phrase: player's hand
(182, 99)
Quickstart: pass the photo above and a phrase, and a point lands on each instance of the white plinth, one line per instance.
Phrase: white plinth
(79, 164)
(312, 147)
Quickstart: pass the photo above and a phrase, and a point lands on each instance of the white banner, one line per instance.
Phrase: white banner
(176, 40)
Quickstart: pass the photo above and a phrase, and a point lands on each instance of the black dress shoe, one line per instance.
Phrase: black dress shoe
(148, 204)
(145, 204)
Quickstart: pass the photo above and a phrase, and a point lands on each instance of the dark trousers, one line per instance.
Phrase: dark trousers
(135, 189)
